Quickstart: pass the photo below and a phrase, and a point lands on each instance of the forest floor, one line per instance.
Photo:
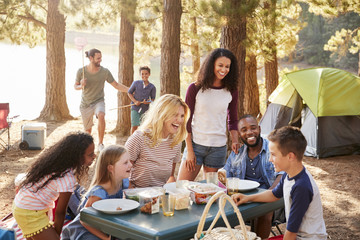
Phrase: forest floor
(337, 177)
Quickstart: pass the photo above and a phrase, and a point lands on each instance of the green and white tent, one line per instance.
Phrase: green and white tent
(324, 103)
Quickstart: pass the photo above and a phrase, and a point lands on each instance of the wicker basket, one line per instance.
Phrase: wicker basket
(222, 233)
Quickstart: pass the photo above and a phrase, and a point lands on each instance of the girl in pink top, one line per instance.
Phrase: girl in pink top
(52, 176)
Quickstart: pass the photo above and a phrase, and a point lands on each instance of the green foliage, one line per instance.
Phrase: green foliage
(343, 25)
(262, 33)
(199, 24)
(23, 21)
(333, 36)
(148, 30)
(92, 13)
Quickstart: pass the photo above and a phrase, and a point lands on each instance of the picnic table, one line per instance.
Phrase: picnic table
(183, 225)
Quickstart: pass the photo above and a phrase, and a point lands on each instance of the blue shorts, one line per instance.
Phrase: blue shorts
(213, 157)
(135, 118)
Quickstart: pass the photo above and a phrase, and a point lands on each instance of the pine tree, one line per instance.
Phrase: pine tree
(33, 22)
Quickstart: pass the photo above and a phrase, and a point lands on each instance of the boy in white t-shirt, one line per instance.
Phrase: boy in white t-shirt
(301, 195)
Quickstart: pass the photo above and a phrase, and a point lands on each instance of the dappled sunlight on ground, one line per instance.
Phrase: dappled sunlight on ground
(338, 178)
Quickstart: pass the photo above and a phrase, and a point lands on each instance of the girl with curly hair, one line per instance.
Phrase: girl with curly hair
(54, 175)
(212, 100)
(155, 147)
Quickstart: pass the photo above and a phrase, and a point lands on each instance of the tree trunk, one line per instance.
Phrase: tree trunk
(251, 98)
(170, 48)
(359, 65)
(271, 66)
(271, 76)
(195, 52)
(126, 69)
(232, 38)
(55, 108)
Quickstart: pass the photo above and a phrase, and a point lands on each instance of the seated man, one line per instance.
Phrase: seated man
(303, 208)
(252, 163)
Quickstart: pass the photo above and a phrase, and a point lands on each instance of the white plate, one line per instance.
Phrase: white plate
(172, 186)
(247, 185)
(110, 205)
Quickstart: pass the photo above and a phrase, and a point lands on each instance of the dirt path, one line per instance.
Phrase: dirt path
(338, 178)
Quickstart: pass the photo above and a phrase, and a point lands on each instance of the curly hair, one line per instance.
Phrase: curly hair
(206, 75)
(60, 158)
(144, 68)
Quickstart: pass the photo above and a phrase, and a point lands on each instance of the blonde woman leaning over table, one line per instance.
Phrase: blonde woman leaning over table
(155, 147)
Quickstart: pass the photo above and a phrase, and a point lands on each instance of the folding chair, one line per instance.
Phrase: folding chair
(278, 219)
(5, 124)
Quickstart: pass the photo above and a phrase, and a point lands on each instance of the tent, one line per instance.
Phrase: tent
(324, 103)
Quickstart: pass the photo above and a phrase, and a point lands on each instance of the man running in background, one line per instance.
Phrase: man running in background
(91, 79)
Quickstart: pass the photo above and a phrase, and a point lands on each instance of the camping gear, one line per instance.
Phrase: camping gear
(80, 43)
(324, 103)
(223, 233)
(33, 136)
(5, 124)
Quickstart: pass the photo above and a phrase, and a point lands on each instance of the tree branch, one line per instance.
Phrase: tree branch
(30, 18)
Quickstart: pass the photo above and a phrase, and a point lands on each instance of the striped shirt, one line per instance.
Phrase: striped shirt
(28, 198)
(152, 166)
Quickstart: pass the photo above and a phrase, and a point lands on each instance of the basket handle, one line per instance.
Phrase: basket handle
(223, 198)
(205, 212)
(222, 203)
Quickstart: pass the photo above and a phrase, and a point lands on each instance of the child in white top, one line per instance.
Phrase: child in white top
(52, 176)
(111, 177)
(303, 208)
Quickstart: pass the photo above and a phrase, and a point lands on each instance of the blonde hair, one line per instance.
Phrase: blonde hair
(109, 156)
(161, 111)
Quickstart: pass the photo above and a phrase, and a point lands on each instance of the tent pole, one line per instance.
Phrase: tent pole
(317, 137)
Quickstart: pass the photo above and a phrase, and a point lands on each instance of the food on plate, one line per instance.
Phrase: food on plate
(203, 188)
(201, 193)
(118, 208)
(182, 183)
(133, 193)
(134, 197)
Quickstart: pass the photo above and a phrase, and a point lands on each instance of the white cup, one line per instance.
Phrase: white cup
(212, 177)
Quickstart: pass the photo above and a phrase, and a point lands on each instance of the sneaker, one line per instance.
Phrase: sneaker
(100, 147)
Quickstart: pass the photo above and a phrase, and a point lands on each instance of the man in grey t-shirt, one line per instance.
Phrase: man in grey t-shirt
(91, 79)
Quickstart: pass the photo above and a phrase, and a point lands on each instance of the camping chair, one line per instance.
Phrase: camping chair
(277, 219)
(5, 124)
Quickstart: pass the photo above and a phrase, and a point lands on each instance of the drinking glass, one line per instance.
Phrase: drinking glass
(168, 204)
(233, 185)
(212, 177)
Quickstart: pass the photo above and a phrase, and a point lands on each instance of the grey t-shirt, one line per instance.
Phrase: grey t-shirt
(94, 89)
